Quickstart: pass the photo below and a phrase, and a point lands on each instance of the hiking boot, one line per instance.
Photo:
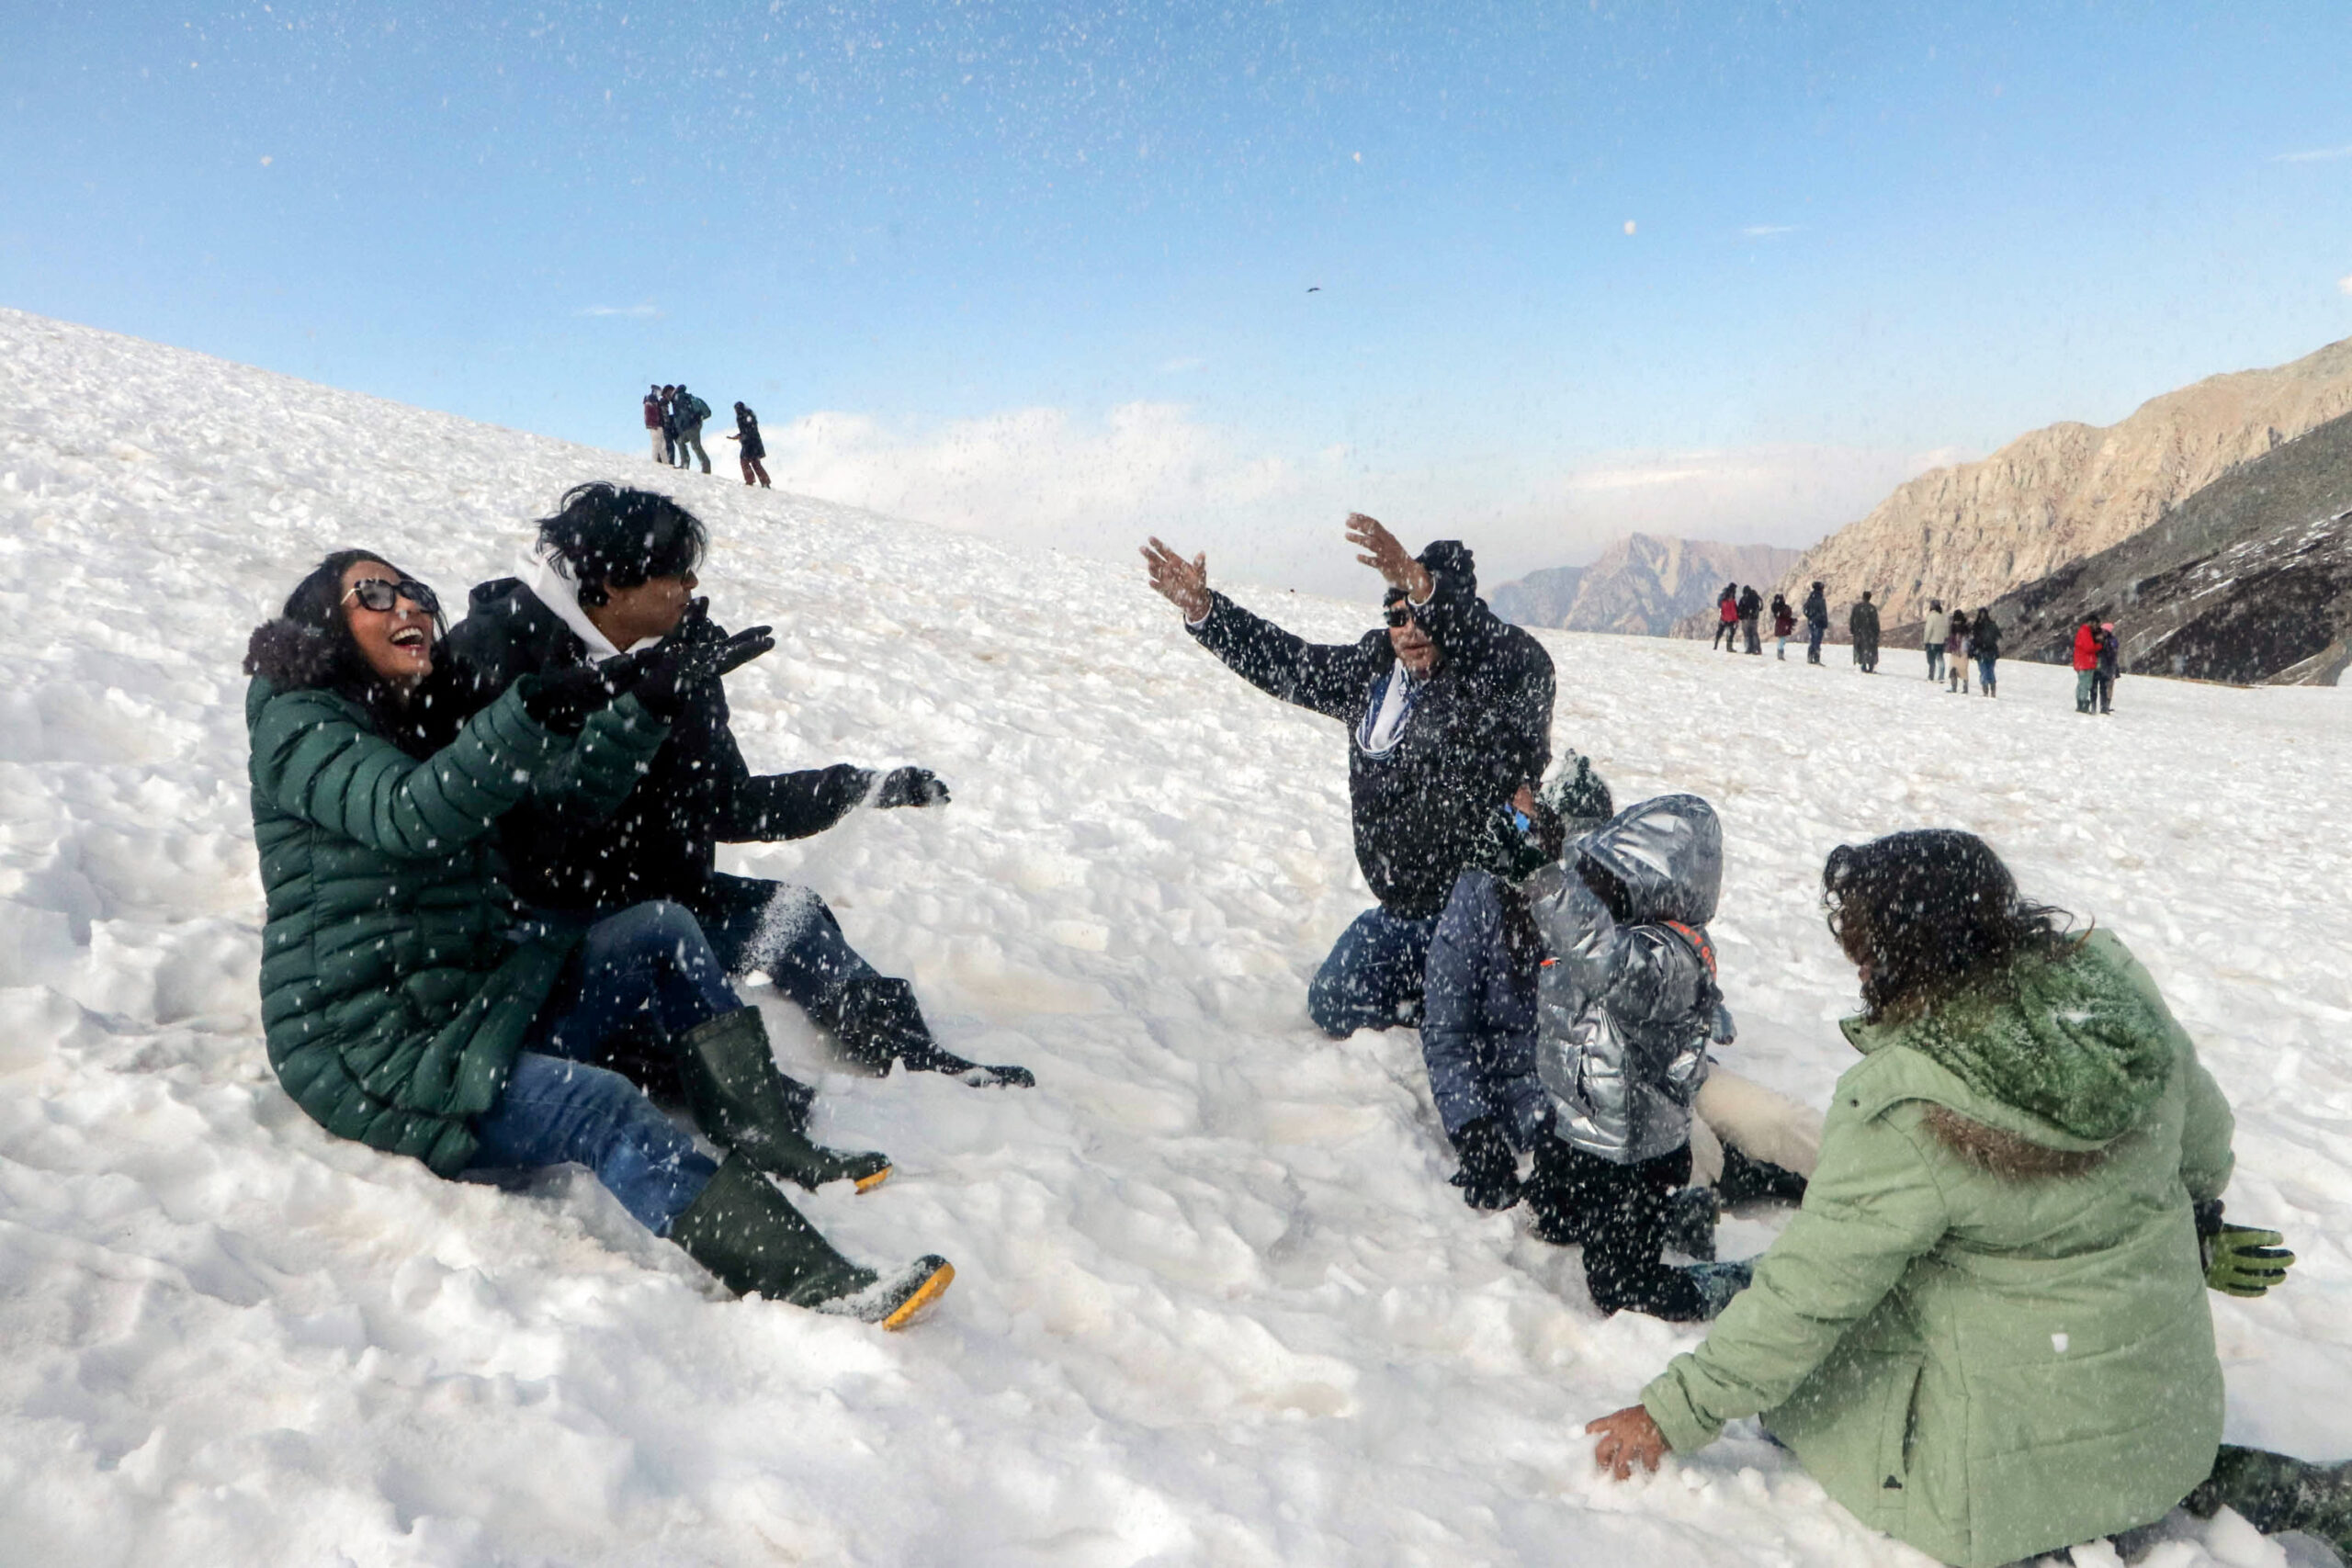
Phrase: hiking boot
(1718, 1282)
(1746, 1179)
(746, 1105)
(2276, 1493)
(881, 1023)
(743, 1230)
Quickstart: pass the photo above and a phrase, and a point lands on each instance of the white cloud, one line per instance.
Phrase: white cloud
(2313, 155)
(1766, 230)
(2345, 284)
(1097, 487)
(646, 312)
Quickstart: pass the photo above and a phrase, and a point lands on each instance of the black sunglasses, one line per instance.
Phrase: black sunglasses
(380, 593)
(1399, 614)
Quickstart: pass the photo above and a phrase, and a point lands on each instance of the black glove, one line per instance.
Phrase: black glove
(562, 699)
(692, 653)
(1489, 1173)
(911, 786)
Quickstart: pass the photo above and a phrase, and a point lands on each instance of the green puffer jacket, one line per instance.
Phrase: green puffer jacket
(393, 1000)
(1984, 1333)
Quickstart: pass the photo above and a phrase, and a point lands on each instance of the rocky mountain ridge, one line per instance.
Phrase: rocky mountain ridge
(1640, 585)
(2247, 580)
(1971, 533)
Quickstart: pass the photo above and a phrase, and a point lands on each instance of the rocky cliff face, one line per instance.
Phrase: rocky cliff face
(1640, 584)
(1969, 533)
(2248, 580)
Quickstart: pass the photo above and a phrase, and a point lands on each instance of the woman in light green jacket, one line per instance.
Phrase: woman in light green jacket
(1985, 1332)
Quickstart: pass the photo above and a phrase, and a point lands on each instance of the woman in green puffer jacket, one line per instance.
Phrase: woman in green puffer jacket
(408, 1005)
(1985, 1332)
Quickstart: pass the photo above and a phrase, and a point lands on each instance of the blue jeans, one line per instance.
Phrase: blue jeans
(647, 965)
(559, 1112)
(1984, 669)
(1813, 630)
(786, 932)
(1372, 978)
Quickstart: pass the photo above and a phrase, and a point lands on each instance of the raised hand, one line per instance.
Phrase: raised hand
(1380, 550)
(1183, 583)
(693, 652)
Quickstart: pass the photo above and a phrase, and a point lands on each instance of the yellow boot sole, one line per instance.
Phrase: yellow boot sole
(914, 1307)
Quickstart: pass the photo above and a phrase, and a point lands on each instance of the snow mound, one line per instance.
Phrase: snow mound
(1215, 1303)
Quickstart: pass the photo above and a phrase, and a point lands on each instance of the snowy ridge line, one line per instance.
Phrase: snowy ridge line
(1215, 1302)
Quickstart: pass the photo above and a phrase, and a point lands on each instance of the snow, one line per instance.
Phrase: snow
(1215, 1303)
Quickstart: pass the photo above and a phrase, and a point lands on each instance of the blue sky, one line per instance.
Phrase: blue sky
(1044, 270)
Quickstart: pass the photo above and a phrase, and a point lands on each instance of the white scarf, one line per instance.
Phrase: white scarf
(1390, 711)
(545, 579)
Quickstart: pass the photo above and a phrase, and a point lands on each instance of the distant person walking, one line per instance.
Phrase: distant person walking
(1861, 625)
(1784, 621)
(1751, 605)
(1816, 622)
(2111, 658)
(1728, 619)
(1937, 627)
(691, 412)
(747, 431)
(653, 425)
(670, 425)
(1956, 645)
(1985, 636)
(2085, 663)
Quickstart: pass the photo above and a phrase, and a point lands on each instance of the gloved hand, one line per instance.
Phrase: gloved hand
(693, 652)
(1489, 1173)
(909, 786)
(562, 699)
(2242, 1261)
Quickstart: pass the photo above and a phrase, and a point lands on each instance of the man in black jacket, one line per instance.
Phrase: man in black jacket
(614, 580)
(1450, 711)
(1751, 606)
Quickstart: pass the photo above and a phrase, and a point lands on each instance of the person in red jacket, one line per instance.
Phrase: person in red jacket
(1728, 619)
(2085, 663)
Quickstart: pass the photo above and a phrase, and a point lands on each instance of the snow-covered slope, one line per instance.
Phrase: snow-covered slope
(1215, 1304)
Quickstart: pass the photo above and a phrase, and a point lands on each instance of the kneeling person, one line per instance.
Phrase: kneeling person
(612, 586)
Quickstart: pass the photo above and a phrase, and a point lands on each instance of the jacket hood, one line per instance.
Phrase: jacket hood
(1668, 854)
(292, 656)
(2070, 1051)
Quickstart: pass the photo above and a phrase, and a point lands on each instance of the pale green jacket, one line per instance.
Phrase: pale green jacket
(1985, 1363)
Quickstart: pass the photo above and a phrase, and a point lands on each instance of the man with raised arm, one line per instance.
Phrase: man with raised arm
(1449, 712)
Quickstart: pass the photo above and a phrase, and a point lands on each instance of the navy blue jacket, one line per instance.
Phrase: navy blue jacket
(1481, 725)
(1479, 1017)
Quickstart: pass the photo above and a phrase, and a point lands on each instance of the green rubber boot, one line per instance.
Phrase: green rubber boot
(746, 1105)
(743, 1230)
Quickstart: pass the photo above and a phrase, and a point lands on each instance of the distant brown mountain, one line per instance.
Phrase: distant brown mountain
(1641, 585)
(1968, 535)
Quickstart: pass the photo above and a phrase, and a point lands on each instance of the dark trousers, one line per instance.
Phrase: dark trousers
(1374, 976)
(1813, 630)
(1619, 1212)
(788, 933)
(1747, 631)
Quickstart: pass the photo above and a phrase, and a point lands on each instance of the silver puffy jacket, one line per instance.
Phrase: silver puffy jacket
(1625, 1012)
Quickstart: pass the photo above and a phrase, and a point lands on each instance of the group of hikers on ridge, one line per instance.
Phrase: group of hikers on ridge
(674, 420)
(496, 938)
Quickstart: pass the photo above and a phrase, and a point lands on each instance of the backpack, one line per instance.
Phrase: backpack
(695, 407)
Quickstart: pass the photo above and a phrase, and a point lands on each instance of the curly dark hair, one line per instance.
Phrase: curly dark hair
(1931, 912)
(309, 646)
(608, 535)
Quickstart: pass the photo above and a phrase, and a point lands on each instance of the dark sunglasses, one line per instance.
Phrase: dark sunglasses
(379, 593)
(1400, 614)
